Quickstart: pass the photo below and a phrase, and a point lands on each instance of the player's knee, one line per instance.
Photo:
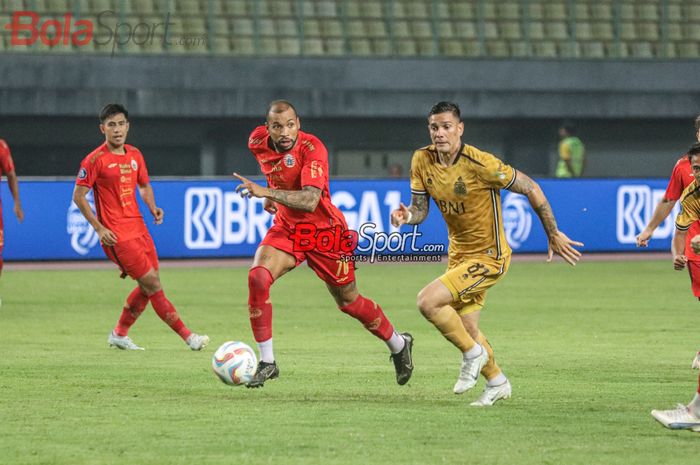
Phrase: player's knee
(259, 279)
(424, 304)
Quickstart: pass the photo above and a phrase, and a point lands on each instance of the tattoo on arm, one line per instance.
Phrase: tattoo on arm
(305, 199)
(544, 211)
(418, 208)
(525, 185)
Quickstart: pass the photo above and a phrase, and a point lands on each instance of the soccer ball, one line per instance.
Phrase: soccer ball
(234, 363)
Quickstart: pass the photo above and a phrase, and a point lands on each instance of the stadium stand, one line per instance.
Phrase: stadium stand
(590, 29)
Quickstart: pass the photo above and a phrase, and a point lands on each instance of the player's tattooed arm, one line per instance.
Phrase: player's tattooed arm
(418, 208)
(306, 199)
(559, 243)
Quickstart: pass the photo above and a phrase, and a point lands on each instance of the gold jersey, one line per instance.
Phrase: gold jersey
(690, 207)
(469, 198)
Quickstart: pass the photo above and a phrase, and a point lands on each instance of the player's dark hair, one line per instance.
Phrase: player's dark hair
(446, 107)
(693, 150)
(697, 123)
(569, 127)
(112, 109)
(278, 106)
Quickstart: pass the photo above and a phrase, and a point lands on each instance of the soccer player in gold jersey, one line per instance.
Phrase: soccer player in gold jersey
(465, 184)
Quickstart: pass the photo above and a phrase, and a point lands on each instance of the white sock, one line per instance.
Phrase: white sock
(474, 351)
(497, 380)
(694, 405)
(396, 343)
(265, 349)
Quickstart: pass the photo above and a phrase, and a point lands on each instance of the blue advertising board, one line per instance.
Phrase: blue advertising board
(206, 218)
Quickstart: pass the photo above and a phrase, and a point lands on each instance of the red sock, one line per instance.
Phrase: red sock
(167, 313)
(371, 316)
(133, 309)
(259, 304)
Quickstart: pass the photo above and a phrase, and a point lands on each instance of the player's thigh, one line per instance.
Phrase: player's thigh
(276, 252)
(331, 267)
(469, 281)
(131, 258)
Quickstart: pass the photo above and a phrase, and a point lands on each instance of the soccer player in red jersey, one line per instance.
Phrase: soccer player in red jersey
(7, 167)
(115, 171)
(681, 177)
(295, 164)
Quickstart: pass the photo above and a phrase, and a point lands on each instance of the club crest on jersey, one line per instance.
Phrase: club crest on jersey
(289, 160)
(82, 174)
(460, 187)
(134, 165)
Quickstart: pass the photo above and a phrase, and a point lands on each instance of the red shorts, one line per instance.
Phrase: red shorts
(329, 266)
(694, 271)
(134, 257)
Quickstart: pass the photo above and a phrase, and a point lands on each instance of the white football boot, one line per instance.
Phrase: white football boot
(696, 362)
(678, 418)
(122, 342)
(469, 372)
(493, 394)
(197, 342)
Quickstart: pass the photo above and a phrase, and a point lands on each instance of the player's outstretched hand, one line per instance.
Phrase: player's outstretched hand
(19, 213)
(561, 245)
(679, 262)
(158, 215)
(248, 188)
(643, 238)
(270, 206)
(400, 216)
(107, 237)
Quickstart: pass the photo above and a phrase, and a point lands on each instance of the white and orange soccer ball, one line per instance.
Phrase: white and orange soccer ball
(234, 363)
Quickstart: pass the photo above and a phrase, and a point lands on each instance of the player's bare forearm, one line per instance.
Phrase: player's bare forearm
(661, 211)
(13, 184)
(148, 197)
(419, 208)
(525, 185)
(678, 243)
(79, 194)
(305, 199)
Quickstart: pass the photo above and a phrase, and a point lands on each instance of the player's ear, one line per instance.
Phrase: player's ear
(102, 128)
(298, 123)
(460, 128)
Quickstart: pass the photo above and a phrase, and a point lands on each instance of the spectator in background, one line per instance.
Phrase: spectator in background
(7, 167)
(395, 170)
(571, 153)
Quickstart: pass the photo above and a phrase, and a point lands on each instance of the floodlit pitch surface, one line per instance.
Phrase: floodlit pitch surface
(589, 350)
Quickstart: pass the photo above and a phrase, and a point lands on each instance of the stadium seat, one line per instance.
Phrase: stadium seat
(545, 49)
(520, 49)
(674, 13)
(688, 50)
(555, 11)
(490, 30)
(220, 45)
(421, 29)
(674, 32)
(534, 11)
(376, 28)
(508, 10)
(326, 9)
(266, 27)
(648, 31)
(397, 10)
(187, 7)
(464, 29)
(141, 7)
(154, 46)
(568, 49)
(583, 31)
(283, 8)
(642, 50)
(242, 27)
(667, 50)
(535, 30)
(287, 27)
(593, 50)
(497, 48)
(626, 12)
(462, 10)
(510, 30)
(267, 46)
(400, 29)
(356, 28)
(311, 27)
(472, 49)
(486, 10)
(236, 8)
(648, 12)
(56, 6)
(418, 10)
(691, 32)
(312, 47)
(382, 47)
(445, 30)
(692, 11)
(218, 26)
(331, 28)
(451, 48)
(601, 11)
(335, 47)
(289, 46)
(426, 47)
(442, 10)
(616, 50)
(406, 47)
(556, 30)
(581, 12)
(194, 26)
(602, 31)
(628, 31)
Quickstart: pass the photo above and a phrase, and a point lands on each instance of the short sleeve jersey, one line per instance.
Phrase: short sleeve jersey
(681, 178)
(572, 149)
(468, 196)
(6, 164)
(114, 179)
(306, 164)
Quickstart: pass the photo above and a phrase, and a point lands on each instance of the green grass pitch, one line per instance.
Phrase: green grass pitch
(589, 350)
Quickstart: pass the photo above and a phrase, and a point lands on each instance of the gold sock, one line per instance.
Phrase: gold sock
(450, 325)
(491, 369)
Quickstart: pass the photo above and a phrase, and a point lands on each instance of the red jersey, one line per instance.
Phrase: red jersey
(682, 177)
(6, 164)
(306, 164)
(114, 179)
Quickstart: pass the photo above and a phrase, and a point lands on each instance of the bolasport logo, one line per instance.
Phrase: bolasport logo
(367, 244)
(109, 30)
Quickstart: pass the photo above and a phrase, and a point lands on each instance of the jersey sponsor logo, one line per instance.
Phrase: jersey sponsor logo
(289, 160)
(82, 236)
(460, 187)
(635, 205)
(316, 169)
(308, 145)
(134, 165)
(82, 174)
(112, 165)
(517, 219)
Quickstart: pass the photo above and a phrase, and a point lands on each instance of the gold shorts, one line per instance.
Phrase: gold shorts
(469, 281)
